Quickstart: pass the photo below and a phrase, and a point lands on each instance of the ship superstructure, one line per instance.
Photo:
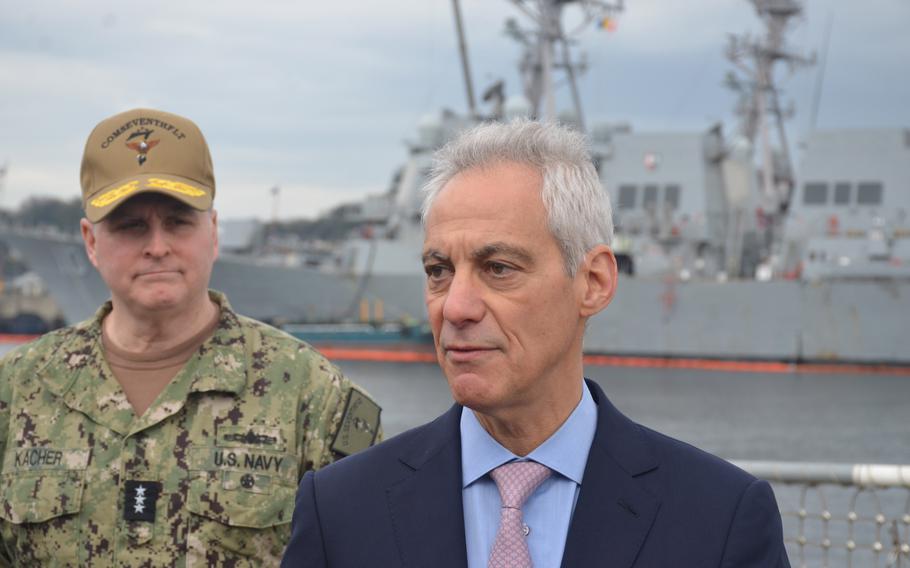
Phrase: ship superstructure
(851, 214)
(669, 200)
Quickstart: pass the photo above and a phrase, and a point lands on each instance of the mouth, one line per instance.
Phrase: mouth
(157, 273)
(466, 353)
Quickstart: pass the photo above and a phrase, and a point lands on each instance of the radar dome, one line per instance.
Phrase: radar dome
(430, 131)
(741, 148)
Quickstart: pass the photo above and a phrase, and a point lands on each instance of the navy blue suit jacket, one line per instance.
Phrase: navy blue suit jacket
(646, 500)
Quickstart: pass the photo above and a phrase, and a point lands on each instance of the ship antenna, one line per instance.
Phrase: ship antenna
(538, 61)
(465, 64)
(573, 85)
(820, 77)
(759, 98)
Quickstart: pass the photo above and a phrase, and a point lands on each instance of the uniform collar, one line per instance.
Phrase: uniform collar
(77, 372)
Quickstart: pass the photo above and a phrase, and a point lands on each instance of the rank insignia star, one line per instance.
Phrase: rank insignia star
(140, 498)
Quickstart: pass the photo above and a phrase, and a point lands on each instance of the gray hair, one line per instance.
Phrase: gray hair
(578, 208)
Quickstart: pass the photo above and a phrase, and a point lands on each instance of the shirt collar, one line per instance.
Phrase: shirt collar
(480, 453)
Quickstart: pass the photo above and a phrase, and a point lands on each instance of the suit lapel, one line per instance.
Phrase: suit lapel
(614, 512)
(426, 506)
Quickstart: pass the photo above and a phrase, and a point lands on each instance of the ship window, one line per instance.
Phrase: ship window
(815, 193)
(650, 196)
(841, 193)
(627, 197)
(869, 193)
(671, 196)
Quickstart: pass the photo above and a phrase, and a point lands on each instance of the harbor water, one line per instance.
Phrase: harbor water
(806, 417)
(850, 418)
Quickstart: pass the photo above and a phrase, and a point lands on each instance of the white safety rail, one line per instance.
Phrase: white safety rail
(854, 515)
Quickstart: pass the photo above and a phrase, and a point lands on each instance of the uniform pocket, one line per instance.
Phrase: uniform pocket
(41, 509)
(39, 497)
(241, 499)
(238, 518)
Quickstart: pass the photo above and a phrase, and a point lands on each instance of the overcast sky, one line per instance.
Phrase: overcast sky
(319, 97)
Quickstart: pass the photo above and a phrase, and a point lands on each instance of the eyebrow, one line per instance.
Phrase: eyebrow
(433, 254)
(518, 253)
(118, 215)
(483, 253)
(182, 211)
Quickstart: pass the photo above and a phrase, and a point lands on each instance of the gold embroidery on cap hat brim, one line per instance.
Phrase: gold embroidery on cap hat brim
(154, 183)
(113, 195)
(176, 186)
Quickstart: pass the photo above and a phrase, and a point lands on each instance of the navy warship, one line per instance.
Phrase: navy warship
(727, 248)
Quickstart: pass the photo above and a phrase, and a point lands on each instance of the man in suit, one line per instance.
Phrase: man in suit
(532, 465)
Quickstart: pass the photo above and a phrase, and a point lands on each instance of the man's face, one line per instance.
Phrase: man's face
(154, 252)
(504, 313)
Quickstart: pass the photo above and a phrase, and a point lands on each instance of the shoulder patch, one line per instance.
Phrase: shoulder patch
(359, 425)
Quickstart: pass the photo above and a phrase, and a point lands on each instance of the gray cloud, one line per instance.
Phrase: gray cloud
(318, 97)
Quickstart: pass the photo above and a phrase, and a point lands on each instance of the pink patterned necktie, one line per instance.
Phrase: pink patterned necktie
(516, 482)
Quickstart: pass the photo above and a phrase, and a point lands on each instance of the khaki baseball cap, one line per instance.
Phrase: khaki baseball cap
(142, 151)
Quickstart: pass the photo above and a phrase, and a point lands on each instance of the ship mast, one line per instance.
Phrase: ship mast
(465, 63)
(546, 48)
(759, 107)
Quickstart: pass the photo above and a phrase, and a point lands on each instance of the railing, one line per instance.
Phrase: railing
(841, 514)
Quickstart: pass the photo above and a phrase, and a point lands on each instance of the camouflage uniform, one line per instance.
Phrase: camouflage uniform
(219, 453)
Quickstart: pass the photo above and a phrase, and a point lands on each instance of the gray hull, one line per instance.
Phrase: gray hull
(839, 321)
(262, 290)
(844, 321)
(784, 320)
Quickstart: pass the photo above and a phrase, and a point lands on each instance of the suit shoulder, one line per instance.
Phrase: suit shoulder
(682, 456)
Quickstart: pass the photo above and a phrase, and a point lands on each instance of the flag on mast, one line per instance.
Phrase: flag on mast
(608, 23)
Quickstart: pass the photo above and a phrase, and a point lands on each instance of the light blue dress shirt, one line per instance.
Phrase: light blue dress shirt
(548, 510)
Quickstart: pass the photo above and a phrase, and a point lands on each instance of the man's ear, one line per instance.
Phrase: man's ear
(88, 238)
(597, 275)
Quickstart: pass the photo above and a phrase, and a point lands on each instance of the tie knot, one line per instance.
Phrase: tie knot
(518, 480)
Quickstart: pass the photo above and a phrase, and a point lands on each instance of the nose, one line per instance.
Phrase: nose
(157, 245)
(464, 300)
